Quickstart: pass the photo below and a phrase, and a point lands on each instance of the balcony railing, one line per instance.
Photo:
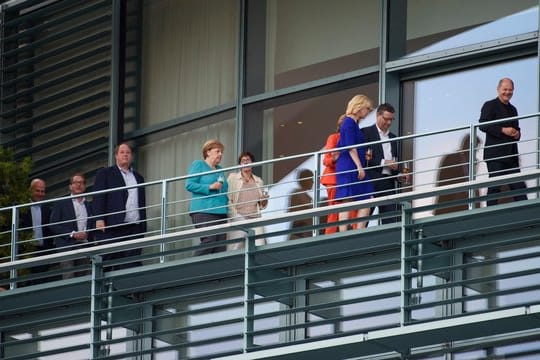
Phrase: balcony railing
(425, 285)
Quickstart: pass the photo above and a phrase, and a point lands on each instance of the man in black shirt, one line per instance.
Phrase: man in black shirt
(501, 150)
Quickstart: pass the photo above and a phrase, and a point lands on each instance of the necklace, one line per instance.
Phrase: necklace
(246, 179)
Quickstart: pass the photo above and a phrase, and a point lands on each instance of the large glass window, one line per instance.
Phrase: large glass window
(171, 155)
(292, 42)
(444, 102)
(429, 22)
(301, 126)
(189, 57)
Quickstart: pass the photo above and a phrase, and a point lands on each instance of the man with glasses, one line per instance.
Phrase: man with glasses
(71, 222)
(382, 165)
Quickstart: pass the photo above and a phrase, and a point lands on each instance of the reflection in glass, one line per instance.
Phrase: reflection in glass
(481, 21)
(292, 42)
(444, 103)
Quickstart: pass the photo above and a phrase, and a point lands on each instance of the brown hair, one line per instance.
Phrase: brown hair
(244, 154)
(211, 144)
(117, 147)
(78, 173)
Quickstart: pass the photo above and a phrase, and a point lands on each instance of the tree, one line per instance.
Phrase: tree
(13, 190)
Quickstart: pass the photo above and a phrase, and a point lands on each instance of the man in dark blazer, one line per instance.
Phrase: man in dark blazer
(72, 223)
(36, 219)
(120, 215)
(382, 168)
(501, 150)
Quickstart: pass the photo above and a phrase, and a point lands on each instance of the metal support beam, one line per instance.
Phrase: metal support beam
(96, 304)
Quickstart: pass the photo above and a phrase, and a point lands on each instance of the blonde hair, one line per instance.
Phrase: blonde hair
(211, 144)
(357, 103)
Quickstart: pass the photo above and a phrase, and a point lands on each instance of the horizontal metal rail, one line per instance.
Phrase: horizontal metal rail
(393, 280)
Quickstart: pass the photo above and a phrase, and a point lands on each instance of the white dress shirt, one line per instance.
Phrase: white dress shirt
(132, 202)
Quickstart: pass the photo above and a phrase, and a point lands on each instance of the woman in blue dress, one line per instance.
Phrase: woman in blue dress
(352, 181)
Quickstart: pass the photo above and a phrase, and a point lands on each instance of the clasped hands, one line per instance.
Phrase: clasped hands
(511, 132)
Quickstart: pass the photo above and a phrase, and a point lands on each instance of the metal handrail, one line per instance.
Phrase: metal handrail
(165, 202)
(270, 279)
(406, 197)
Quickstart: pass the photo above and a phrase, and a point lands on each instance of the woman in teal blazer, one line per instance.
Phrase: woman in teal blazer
(209, 195)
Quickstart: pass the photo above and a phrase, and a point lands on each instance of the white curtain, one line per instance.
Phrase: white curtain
(189, 61)
(171, 157)
(189, 57)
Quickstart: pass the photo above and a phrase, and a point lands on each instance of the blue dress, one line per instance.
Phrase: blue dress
(348, 185)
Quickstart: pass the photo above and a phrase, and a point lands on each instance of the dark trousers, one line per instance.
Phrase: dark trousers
(121, 233)
(201, 220)
(42, 269)
(385, 186)
(498, 168)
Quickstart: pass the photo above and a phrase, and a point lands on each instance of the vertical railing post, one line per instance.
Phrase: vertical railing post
(164, 217)
(317, 190)
(537, 148)
(420, 263)
(249, 294)
(472, 161)
(316, 195)
(14, 251)
(406, 267)
(96, 304)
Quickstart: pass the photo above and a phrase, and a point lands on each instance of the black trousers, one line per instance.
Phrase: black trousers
(498, 168)
(117, 234)
(201, 220)
(385, 186)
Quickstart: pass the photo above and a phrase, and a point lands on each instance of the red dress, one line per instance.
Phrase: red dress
(328, 179)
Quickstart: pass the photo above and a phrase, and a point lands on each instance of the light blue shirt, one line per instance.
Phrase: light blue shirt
(36, 224)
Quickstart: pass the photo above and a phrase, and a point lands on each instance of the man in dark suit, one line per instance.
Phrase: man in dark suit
(37, 219)
(71, 222)
(120, 215)
(382, 168)
(501, 150)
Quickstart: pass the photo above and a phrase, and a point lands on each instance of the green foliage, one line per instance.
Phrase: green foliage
(14, 190)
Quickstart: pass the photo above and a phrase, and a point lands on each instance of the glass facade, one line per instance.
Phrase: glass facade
(430, 23)
(293, 42)
(272, 77)
(295, 76)
(189, 57)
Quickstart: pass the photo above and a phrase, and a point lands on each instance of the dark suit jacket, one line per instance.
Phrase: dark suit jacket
(371, 133)
(498, 144)
(111, 206)
(63, 222)
(25, 221)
